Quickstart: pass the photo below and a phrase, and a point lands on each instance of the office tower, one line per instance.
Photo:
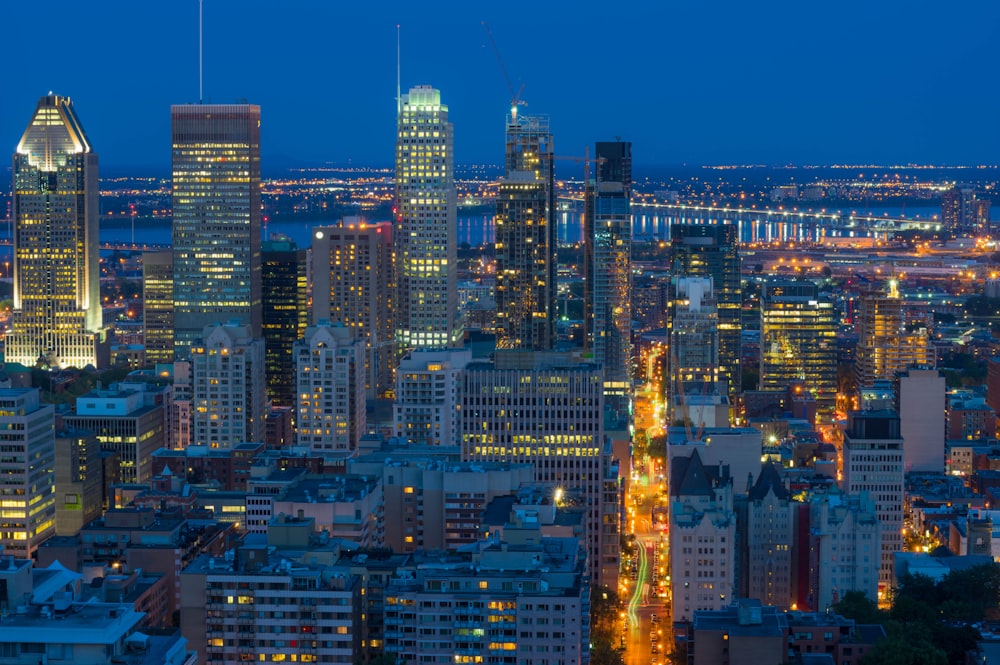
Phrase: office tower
(28, 491)
(547, 408)
(352, 272)
(873, 463)
(330, 394)
(124, 424)
(217, 218)
(608, 262)
(57, 318)
(425, 411)
(425, 233)
(798, 341)
(885, 347)
(963, 210)
(921, 403)
(284, 298)
(158, 306)
(526, 238)
(693, 364)
(844, 536)
(79, 480)
(767, 536)
(706, 250)
(703, 546)
(229, 394)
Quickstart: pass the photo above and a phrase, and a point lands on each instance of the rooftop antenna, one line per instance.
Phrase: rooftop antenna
(201, 96)
(399, 98)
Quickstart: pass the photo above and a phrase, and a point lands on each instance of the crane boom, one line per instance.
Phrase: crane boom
(515, 97)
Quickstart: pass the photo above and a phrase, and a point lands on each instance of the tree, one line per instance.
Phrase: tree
(856, 605)
(905, 648)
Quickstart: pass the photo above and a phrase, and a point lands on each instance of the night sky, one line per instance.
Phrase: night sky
(697, 81)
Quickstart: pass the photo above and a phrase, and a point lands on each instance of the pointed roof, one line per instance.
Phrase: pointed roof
(769, 481)
(689, 478)
(53, 133)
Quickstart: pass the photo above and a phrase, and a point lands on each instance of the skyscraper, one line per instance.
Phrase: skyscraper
(425, 236)
(57, 308)
(158, 305)
(526, 238)
(885, 347)
(964, 210)
(798, 340)
(608, 283)
(353, 285)
(284, 297)
(708, 250)
(217, 217)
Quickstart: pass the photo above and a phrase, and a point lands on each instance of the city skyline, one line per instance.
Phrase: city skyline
(719, 84)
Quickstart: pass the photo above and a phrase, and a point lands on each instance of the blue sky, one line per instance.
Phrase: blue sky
(694, 81)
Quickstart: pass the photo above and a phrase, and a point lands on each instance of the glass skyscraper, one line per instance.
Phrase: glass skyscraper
(425, 236)
(217, 218)
(608, 261)
(526, 238)
(710, 250)
(57, 317)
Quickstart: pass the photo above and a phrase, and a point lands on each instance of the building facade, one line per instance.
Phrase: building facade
(28, 489)
(229, 394)
(330, 370)
(217, 219)
(526, 238)
(706, 250)
(158, 306)
(873, 464)
(56, 318)
(353, 277)
(798, 341)
(426, 408)
(885, 347)
(285, 299)
(425, 232)
(608, 261)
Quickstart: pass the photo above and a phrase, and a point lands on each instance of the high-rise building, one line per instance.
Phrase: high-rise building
(158, 306)
(708, 250)
(229, 400)
(703, 546)
(426, 408)
(693, 364)
(885, 347)
(920, 401)
(425, 234)
(964, 210)
(284, 297)
(526, 238)
(767, 534)
(873, 464)
(844, 545)
(330, 370)
(547, 408)
(217, 219)
(352, 272)
(79, 479)
(798, 341)
(608, 261)
(28, 491)
(57, 318)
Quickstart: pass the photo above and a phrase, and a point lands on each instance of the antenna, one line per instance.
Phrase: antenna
(200, 56)
(399, 98)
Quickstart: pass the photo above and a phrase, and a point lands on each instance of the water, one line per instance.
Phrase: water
(478, 229)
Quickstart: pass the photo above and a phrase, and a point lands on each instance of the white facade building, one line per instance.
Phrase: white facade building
(425, 411)
(229, 401)
(330, 398)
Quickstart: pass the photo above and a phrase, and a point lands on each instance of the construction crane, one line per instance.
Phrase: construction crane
(515, 97)
(587, 161)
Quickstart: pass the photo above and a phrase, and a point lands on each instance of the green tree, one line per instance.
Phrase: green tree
(905, 648)
(856, 605)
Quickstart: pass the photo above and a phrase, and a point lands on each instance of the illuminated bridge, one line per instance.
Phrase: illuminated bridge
(836, 221)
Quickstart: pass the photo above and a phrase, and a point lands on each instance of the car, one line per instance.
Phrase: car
(654, 619)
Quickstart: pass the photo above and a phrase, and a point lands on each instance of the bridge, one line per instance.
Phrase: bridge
(834, 221)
